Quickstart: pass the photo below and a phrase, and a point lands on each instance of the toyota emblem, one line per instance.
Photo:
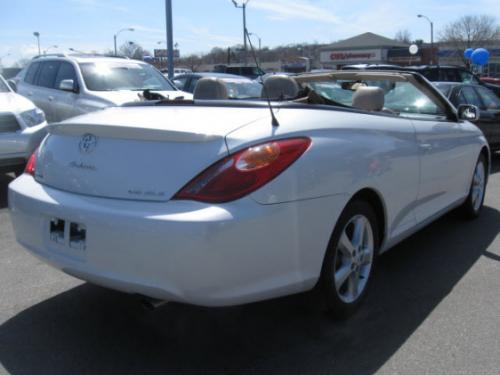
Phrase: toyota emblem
(88, 143)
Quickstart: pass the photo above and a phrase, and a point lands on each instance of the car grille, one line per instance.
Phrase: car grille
(8, 123)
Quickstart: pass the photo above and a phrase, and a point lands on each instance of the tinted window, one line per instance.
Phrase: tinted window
(449, 75)
(48, 73)
(66, 71)
(3, 86)
(467, 77)
(31, 74)
(471, 97)
(192, 84)
(180, 82)
(118, 75)
(431, 75)
(490, 100)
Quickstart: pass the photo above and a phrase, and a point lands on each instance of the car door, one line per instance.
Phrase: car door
(490, 114)
(443, 149)
(27, 86)
(44, 90)
(64, 101)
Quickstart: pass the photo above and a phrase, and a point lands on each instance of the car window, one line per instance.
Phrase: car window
(3, 86)
(431, 74)
(467, 77)
(48, 73)
(117, 75)
(192, 84)
(242, 89)
(471, 97)
(32, 72)
(180, 82)
(449, 75)
(489, 98)
(66, 71)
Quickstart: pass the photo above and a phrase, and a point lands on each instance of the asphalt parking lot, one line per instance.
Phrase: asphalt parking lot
(434, 308)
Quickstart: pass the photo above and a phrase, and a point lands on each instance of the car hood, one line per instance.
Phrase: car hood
(12, 102)
(126, 96)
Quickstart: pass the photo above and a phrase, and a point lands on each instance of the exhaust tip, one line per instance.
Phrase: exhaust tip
(152, 304)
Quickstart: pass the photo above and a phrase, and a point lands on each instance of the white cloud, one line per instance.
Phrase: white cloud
(299, 9)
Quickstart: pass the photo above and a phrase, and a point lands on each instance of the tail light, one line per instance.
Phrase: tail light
(31, 165)
(244, 172)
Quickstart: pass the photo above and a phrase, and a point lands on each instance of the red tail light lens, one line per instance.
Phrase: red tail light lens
(31, 165)
(244, 172)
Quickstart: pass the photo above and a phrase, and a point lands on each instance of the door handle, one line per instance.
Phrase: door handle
(425, 146)
(51, 98)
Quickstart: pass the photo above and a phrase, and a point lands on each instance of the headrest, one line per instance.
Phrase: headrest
(210, 88)
(368, 98)
(280, 87)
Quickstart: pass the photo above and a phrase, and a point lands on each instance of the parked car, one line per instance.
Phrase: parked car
(22, 127)
(484, 99)
(69, 85)
(434, 73)
(238, 87)
(252, 72)
(227, 202)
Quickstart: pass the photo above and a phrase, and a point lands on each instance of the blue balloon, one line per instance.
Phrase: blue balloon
(480, 56)
(468, 53)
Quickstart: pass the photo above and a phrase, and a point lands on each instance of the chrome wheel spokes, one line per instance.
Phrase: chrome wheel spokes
(354, 258)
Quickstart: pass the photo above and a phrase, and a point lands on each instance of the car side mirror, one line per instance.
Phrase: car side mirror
(67, 85)
(468, 112)
(12, 85)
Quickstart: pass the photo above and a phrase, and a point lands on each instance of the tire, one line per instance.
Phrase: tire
(472, 206)
(349, 263)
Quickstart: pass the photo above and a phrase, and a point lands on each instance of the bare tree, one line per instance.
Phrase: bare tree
(470, 32)
(403, 36)
(133, 51)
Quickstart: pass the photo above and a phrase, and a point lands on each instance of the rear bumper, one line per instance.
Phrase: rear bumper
(180, 250)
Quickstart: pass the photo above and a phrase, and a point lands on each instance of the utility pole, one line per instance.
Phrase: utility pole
(244, 7)
(116, 35)
(170, 38)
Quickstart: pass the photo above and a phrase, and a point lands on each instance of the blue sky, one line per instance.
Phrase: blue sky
(200, 25)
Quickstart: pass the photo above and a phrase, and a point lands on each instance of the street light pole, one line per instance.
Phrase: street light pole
(116, 35)
(170, 38)
(244, 7)
(432, 35)
(37, 35)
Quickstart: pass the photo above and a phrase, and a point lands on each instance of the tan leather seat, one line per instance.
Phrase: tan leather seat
(369, 98)
(280, 88)
(210, 88)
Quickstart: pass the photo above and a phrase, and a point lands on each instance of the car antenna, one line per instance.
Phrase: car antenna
(274, 120)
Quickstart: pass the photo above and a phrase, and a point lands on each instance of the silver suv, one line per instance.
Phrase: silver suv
(64, 86)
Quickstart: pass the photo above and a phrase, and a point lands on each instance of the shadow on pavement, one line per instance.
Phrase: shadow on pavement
(93, 330)
(5, 180)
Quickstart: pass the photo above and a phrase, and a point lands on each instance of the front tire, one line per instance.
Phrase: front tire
(350, 259)
(474, 202)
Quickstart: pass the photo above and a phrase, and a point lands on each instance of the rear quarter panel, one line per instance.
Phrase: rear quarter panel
(349, 152)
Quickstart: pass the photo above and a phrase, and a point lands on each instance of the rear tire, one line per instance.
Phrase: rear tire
(350, 259)
(472, 206)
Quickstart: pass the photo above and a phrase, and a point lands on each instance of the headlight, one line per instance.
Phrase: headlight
(33, 117)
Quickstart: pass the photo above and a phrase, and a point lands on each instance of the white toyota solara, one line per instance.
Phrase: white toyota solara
(220, 202)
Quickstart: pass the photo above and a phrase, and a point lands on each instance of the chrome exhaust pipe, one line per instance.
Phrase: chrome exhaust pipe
(152, 303)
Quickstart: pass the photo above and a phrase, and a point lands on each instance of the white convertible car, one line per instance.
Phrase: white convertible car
(219, 202)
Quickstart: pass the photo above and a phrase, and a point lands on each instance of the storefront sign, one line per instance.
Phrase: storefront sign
(349, 57)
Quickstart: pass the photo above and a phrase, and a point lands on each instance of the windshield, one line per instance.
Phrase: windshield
(241, 89)
(112, 76)
(3, 86)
